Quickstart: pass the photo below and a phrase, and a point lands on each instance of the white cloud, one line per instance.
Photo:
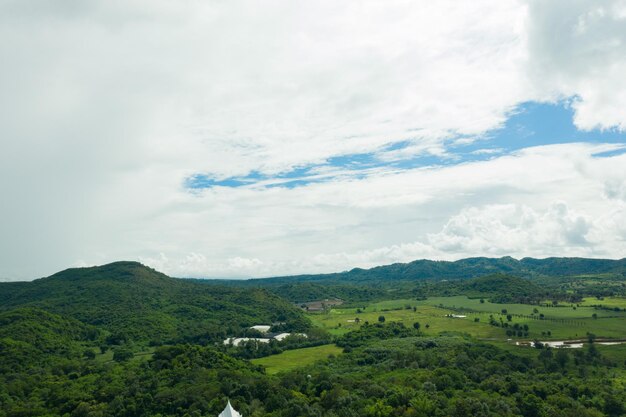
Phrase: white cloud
(578, 48)
(107, 106)
(499, 230)
(543, 201)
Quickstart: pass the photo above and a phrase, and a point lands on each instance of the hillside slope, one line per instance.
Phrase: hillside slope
(461, 269)
(138, 303)
(502, 288)
(426, 277)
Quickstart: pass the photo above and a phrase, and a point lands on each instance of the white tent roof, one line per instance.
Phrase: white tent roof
(263, 328)
(229, 411)
(236, 341)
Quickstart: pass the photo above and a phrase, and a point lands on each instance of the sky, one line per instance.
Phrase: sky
(235, 139)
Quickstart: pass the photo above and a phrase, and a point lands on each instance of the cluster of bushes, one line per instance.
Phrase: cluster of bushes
(378, 331)
(387, 370)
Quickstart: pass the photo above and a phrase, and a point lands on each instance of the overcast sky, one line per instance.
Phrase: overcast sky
(260, 138)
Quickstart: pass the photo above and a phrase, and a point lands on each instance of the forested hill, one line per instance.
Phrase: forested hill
(134, 302)
(503, 288)
(464, 268)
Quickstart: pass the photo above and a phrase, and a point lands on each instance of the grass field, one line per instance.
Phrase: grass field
(340, 321)
(609, 302)
(296, 358)
(561, 312)
(563, 322)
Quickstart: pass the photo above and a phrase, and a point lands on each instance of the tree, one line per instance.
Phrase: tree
(423, 405)
(530, 405)
(504, 311)
(562, 357)
(416, 325)
(381, 319)
(379, 409)
(546, 355)
(482, 301)
(613, 406)
(509, 317)
(122, 355)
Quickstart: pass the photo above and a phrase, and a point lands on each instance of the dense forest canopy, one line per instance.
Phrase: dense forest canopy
(134, 302)
(554, 278)
(466, 268)
(125, 340)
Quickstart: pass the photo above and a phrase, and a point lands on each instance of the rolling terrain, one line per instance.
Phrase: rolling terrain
(465, 268)
(125, 340)
(133, 302)
(534, 278)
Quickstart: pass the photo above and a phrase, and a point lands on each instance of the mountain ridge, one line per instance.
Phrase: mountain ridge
(136, 302)
(526, 267)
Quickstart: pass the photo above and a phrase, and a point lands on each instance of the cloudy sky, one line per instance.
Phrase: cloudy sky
(259, 138)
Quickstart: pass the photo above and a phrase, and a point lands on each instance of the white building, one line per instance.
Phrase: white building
(263, 328)
(282, 336)
(229, 411)
(237, 340)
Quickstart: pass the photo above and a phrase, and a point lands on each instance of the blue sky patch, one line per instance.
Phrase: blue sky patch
(530, 124)
(534, 124)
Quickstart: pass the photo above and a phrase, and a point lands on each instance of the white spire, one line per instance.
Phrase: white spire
(229, 411)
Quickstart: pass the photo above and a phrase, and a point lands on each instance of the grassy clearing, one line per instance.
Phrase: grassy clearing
(296, 358)
(568, 311)
(609, 302)
(340, 321)
(562, 322)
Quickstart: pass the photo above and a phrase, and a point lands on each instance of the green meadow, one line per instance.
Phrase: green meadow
(340, 321)
(557, 322)
(296, 358)
(609, 302)
(561, 311)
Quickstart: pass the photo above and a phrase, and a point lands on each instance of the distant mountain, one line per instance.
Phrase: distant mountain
(461, 269)
(134, 302)
(401, 278)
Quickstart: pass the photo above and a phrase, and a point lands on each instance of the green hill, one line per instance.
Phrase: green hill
(134, 302)
(30, 336)
(502, 288)
(46, 331)
(462, 269)
(426, 277)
